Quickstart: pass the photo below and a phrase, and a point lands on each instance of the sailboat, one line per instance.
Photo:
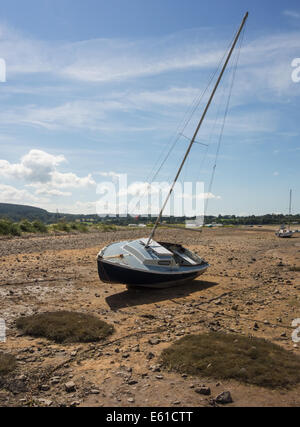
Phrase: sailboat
(286, 231)
(146, 262)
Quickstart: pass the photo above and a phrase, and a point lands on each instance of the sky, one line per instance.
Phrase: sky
(95, 89)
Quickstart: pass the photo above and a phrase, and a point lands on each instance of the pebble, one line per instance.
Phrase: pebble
(150, 355)
(224, 397)
(70, 386)
(154, 341)
(203, 390)
(45, 402)
(45, 387)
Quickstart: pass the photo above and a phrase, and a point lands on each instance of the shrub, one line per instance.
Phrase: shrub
(62, 226)
(26, 226)
(65, 327)
(7, 363)
(5, 227)
(39, 227)
(8, 228)
(107, 227)
(232, 356)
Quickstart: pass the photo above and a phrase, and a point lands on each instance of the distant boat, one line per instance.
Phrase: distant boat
(145, 262)
(285, 231)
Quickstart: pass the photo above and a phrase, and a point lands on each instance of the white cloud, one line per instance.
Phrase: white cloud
(71, 180)
(9, 194)
(38, 169)
(52, 192)
(36, 166)
(292, 13)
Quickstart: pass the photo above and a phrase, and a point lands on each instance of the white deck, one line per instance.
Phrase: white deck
(157, 248)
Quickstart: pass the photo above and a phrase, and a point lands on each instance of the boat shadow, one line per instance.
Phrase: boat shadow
(140, 296)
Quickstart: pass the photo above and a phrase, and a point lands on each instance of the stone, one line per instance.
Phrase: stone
(155, 368)
(70, 387)
(203, 390)
(54, 380)
(132, 382)
(154, 341)
(45, 387)
(150, 355)
(45, 402)
(74, 403)
(224, 398)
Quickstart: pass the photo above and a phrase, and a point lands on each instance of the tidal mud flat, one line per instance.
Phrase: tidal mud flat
(251, 288)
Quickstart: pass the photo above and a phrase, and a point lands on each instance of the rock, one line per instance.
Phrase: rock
(150, 355)
(203, 390)
(21, 378)
(155, 368)
(224, 398)
(54, 380)
(45, 402)
(70, 386)
(45, 387)
(74, 403)
(94, 391)
(132, 382)
(130, 400)
(154, 341)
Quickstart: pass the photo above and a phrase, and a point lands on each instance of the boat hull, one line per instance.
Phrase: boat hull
(284, 235)
(112, 273)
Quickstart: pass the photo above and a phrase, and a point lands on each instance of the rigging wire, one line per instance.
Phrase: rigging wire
(183, 125)
(224, 120)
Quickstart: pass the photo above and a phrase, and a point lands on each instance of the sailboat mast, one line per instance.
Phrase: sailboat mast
(290, 208)
(198, 127)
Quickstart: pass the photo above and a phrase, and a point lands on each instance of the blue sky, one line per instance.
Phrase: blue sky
(97, 88)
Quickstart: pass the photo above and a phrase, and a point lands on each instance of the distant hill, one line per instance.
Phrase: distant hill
(19, 212)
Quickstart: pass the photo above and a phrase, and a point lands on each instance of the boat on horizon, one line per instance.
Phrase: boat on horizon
(286, 232)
